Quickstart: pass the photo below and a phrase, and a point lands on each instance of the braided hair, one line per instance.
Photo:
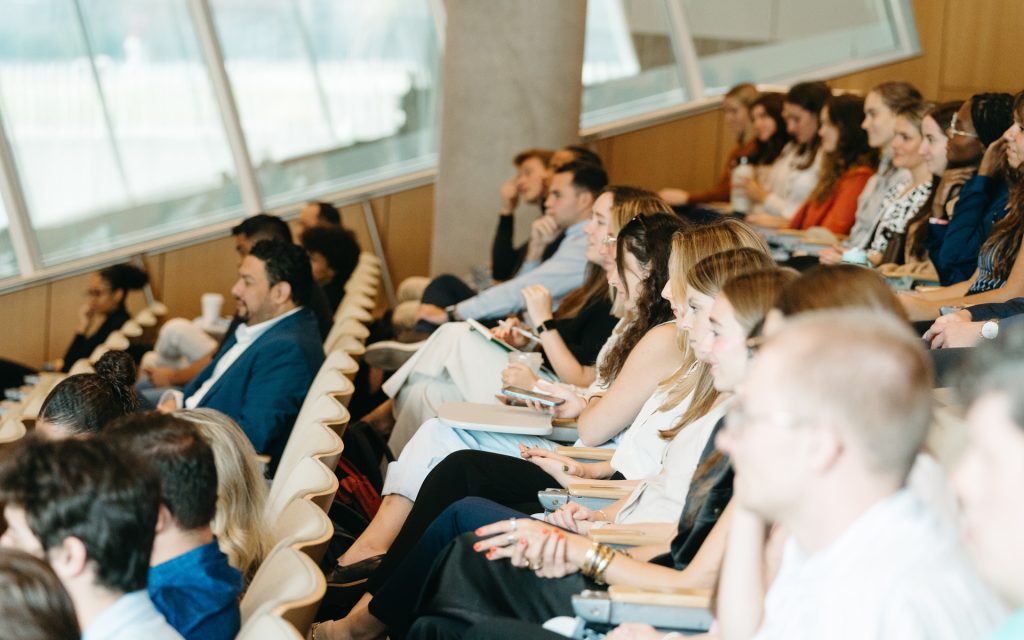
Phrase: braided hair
(83, 404)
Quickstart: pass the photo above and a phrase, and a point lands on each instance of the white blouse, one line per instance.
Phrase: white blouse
(640, 448)
(661, 498)
(788, 184)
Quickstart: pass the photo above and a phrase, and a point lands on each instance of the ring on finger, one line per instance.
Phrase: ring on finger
(513, 524)
(535, 566)
(511, 539)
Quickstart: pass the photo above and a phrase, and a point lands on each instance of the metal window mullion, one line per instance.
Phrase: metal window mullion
(108, 121)
(314, 62)
(23, 239)
(687, 62)
(213, 57)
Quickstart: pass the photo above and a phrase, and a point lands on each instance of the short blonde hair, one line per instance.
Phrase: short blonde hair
(239, 524)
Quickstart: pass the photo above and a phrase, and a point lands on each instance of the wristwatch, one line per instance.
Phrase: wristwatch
(547, 325)
(450, 310)
(990, 330)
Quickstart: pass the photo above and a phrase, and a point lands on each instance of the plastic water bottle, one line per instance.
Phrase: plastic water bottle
(739, 201)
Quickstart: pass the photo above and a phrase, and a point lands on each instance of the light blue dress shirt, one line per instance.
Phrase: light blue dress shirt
(132, 617)
(561, 273)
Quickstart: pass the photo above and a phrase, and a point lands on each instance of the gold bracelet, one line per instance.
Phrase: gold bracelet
(607, 555)
(588, 562)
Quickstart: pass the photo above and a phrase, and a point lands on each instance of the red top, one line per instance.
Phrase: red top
(839, 210)
(721, 191)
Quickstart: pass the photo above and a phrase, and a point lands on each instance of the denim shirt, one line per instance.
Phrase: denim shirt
(198, 593)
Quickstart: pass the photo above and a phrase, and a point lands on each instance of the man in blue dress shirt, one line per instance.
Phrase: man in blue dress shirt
(190, 580)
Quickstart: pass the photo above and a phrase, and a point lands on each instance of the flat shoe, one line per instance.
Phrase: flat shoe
(353, 574)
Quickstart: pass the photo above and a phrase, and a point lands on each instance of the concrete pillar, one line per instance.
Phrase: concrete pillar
(511, 80)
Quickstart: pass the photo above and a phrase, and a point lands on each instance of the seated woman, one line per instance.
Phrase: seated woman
(104, 313)
(239, 524)
(998, 277)
(737, 116)
(82, 404)
(333, 256)
(847, 165)
(561, 563)
(515, 482)
(644, 246)
(900, 204)
(975, 140)
(907, 253)
(455, 365)
(796, 171)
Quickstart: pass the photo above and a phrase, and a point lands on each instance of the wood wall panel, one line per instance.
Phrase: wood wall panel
(190, 272)
(22, 339)
(981, 46)
(410, 219)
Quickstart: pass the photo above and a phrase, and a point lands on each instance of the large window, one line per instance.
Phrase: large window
(332, 93)
(8, 262)
(114, 130)
(130, 121)
(629, 61)
(770, 40)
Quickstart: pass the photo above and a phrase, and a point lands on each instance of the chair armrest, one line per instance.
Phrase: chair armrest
(627, 536)
(586, 453)
(609, 489)
(694, 598)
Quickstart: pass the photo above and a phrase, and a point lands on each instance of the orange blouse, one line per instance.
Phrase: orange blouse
(839, 210)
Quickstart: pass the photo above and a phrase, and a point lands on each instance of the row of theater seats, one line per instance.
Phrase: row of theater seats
(285, 593)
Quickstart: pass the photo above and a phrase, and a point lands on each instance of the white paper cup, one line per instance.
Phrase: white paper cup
(212, 304)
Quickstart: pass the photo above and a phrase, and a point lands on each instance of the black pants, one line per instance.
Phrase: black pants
(509, 481)
(444, 291)
(468, 589)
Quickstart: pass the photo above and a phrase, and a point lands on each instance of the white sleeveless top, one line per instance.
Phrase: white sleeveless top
(640, 450)
(661, 498)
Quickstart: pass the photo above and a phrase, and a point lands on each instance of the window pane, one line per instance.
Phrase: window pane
(8, 262)
(629, 62)
(332, 93)
(115, 131)
(767, 40)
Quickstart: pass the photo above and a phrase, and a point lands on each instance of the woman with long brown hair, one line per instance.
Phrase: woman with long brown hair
(848, 164)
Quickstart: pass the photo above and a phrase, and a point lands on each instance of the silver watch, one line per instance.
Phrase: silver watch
(990, 330)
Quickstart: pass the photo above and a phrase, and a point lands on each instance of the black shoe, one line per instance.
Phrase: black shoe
(353, 574)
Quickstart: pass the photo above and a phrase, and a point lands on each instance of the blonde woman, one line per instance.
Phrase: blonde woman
(239, 525)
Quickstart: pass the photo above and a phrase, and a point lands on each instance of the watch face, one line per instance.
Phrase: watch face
(990, 330)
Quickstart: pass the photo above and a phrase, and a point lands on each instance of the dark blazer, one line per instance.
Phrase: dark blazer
(264, 389)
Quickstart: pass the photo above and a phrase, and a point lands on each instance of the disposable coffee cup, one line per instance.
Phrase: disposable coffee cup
(212, 304)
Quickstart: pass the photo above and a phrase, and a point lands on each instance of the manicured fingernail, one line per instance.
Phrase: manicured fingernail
(544, 531)
(493, 549)
(476, 547)
(522, 542)
(561, 536)
(489, 556)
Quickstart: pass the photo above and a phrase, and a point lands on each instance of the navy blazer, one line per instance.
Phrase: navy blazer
(264, 389)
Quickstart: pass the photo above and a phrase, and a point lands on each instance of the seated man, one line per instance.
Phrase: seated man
(832, 415)
(991, 471)
(333, 254)
(90, 511)
(318, 214)
(261, 373)
(190, 580)
(183, 349)
(574, 187)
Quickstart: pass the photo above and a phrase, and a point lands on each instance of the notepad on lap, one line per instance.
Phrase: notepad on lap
(497, 418)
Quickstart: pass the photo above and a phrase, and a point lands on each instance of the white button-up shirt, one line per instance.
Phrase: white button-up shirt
(245, 335)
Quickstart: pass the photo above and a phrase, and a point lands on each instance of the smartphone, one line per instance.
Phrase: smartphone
(525, 394)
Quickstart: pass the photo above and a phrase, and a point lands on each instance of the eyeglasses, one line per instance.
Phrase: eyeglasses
(609, 239)
(952, 131)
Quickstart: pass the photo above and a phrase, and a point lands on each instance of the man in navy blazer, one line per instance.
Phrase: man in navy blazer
(261, 373)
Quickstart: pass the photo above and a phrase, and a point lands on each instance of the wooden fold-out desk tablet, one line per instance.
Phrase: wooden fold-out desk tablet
(497, 418)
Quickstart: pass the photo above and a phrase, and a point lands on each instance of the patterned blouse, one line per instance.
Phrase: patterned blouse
(897, 211)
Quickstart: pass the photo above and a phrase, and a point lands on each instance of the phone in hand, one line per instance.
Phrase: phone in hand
(518, 393)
